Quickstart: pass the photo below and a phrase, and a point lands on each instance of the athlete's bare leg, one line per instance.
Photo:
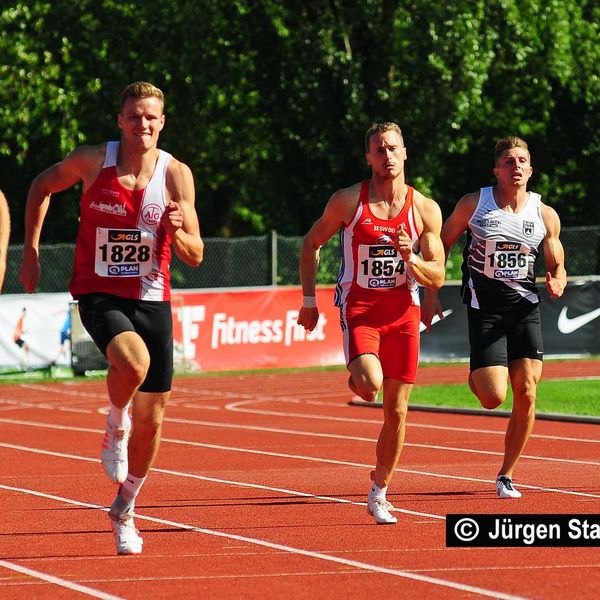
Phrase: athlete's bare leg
(490, 385)
(366, 376)
(525, 374)
(391, 438)
(128, 364)
(147, 417)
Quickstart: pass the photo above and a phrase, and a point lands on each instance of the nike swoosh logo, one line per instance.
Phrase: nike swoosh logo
(566, 325)
(436, 319)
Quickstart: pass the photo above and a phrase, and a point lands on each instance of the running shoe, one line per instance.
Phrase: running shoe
(114, 453)
(379, 509)
(127, 537)
(505, 487)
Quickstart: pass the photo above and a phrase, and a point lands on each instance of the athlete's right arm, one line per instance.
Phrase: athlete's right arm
(75, 167)
(4, 235)
(338, 212)
(453, 227)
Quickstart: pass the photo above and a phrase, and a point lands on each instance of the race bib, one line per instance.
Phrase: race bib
(506, 260)
(123, 252)
(379, 267)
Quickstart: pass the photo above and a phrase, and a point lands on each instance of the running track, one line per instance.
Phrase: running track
(259, 492)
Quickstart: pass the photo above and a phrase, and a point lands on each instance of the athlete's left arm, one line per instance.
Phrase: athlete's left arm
(428, 269)
(554, 254)
(180, 219)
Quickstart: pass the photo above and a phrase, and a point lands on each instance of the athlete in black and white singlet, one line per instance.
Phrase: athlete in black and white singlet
(500, 252)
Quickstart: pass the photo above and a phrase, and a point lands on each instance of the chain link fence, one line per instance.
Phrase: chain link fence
(273, 260)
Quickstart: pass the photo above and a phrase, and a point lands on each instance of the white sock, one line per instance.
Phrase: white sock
(377, 492)
(119, 417)
(130, 488)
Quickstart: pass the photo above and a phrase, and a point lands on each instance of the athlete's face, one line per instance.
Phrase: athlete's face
(386, 154)
(513, 167)
(141, 121)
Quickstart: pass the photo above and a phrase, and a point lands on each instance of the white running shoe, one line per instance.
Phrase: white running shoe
(114, 453)
(127, 537)
(379, 509)
(505, 487)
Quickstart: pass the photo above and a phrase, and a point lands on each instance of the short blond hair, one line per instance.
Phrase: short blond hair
(141, 89)
(381, 128)
(507, 143)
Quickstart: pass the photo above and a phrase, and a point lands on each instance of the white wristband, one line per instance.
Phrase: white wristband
(309, 302)
(413, 258)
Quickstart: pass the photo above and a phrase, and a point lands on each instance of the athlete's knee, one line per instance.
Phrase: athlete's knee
(490, 401)
(524, 399)
(395, 416)
(490, 397)
(148, 420)
(366, 388)
(133, 370)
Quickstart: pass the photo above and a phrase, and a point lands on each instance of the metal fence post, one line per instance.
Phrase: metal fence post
(273, 257)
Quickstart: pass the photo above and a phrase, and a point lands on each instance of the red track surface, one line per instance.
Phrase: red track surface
(259, 491)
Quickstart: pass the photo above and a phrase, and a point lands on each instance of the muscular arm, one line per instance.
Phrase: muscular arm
(338, 212)
(4, 235)
(428, 269)
(180, 218)
(81, 164)
(554, 255)
(454, 226)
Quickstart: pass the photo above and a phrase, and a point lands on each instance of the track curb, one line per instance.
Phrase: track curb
(481, 412)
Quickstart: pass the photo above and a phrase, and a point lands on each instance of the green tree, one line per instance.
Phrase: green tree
(269, 101)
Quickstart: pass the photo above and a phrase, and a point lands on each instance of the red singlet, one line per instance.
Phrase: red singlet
(376, 291)
(121, 248)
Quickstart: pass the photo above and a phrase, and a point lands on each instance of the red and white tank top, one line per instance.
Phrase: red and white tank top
(121, 249)
(370, 265)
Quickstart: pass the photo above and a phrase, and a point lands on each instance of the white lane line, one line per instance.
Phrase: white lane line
(338, 436)
(257, 486)
(317, 434)
(289, 549)
(88, 591)
(235, 407)
(303, 457)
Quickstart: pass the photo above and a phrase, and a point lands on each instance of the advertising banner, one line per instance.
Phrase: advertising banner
(570, 325)
(252, 329)
(256, 328)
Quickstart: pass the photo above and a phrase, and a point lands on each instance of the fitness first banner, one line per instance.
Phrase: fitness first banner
(250, 329)
(254, 328)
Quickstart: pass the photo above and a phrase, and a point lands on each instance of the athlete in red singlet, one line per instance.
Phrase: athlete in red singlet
(383, 225)
(137, 201)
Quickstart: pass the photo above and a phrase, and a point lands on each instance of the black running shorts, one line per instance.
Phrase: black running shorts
(104, 316)
(496, 338)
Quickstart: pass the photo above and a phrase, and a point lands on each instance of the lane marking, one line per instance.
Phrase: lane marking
(300, 457)
(289, 549)
(316, 434)
(88, 591)
(366, 439)
(257, 486)
(233, 407)
(256, 400)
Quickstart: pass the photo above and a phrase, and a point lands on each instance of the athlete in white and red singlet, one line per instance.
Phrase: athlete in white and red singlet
(137, 202)
(383, 225)
(121, 248)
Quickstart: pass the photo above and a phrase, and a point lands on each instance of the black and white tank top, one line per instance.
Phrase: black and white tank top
(500, 253)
